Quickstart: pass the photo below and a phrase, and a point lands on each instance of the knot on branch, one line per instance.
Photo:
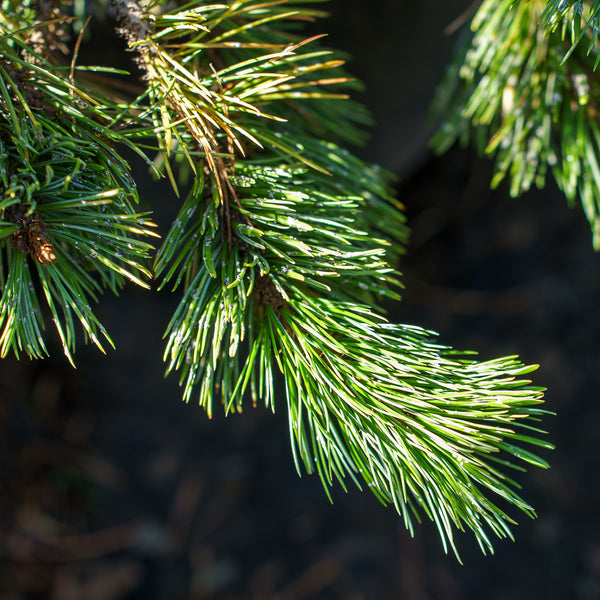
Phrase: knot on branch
(266, 294)
(31, 237)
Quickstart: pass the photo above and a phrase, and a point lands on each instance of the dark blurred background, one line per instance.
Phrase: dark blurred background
(112, 488)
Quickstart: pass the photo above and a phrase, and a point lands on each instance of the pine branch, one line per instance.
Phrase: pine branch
(283, 250)
(509, 89)
(278, 255)
(366, 399)
(67, 202)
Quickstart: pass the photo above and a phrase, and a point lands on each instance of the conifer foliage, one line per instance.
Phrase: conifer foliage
(283, 249)
(523, 85)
